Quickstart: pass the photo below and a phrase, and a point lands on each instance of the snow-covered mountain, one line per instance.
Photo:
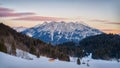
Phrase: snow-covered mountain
(60, 32)
(20, 29)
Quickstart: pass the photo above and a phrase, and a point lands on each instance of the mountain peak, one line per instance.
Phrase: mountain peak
(60, 26)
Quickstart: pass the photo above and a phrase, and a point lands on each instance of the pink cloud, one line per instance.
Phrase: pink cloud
(6, 12)
(40, 18)
(117, 23)
(115, 31)
(106, 29)
(97, 20)
(15, 14)
(105, 21)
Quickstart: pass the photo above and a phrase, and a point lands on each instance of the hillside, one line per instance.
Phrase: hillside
(104, 46)
(12, 40)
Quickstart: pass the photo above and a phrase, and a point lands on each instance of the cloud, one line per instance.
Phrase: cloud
(40, 18)
(98, 20)
(6, 12)
(15, 14)
(2, 10)
(115, 31)
(117, 23)
(105, 21)
(107, 29)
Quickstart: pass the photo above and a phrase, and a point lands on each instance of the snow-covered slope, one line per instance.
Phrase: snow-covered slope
(23, 54)
(9, 61)
(19, 29)
(60, 32)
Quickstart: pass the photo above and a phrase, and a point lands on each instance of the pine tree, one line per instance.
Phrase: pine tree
(78, 61)
(38, 55)
(32, 49)
(13, 49)
(3, 47)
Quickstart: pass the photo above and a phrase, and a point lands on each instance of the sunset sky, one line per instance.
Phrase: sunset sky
(100, 14)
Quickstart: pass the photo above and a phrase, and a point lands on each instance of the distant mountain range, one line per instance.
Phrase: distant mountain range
(60, 32)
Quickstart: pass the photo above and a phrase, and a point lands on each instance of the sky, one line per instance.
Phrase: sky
(100, 14)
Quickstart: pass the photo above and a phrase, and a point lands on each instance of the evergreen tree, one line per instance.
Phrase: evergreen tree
(32, 49)
(78, 61)
(38, 55)
(3, 47)
(13, 48)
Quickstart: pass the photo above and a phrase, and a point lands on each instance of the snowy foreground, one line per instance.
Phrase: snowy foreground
(9, 61)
